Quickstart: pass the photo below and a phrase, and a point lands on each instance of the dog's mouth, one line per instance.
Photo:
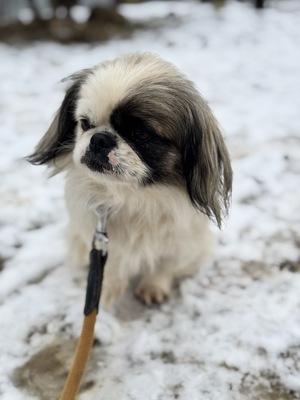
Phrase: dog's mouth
(99, 163)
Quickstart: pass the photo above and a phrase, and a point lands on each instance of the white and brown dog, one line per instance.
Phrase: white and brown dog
(135, 136)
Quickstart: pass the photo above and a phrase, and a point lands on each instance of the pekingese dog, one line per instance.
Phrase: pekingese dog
(134, 135)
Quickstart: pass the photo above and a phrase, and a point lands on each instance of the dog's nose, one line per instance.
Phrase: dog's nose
(103, 141)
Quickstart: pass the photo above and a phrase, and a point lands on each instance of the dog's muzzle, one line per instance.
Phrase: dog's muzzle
(100, 155)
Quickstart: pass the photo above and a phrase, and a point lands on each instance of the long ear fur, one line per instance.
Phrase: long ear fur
(59, 139)
(206, 163)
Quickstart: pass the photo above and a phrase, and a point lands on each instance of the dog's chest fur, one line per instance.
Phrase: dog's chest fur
(145, 225)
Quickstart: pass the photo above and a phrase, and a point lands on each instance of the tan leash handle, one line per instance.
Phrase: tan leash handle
(81, 356)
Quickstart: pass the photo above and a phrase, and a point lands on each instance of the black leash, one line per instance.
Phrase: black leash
(98, 258)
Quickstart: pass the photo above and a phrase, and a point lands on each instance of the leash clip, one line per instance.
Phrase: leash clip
(100, 240)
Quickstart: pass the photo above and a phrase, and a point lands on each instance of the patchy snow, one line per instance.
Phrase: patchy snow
(232, 332)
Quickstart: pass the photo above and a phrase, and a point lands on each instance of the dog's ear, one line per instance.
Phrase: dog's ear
(59, 139)
(206, 163)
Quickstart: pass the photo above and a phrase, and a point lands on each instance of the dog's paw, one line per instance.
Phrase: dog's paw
(150, 293)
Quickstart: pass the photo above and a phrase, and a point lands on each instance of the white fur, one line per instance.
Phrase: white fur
(112, 80)
(154, 231)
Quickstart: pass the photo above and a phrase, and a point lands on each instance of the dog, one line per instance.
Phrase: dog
(134, 135)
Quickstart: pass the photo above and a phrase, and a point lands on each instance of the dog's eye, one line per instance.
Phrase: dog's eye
(85, 124)
(140, 134)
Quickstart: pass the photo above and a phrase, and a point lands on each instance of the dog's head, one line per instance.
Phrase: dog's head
(138, 120)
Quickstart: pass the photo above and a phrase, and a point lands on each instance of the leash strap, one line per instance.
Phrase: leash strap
(95, 278)
(98, 256)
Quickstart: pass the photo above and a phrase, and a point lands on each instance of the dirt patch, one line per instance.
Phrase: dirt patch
(2, 263)
(291, 266)
(167, 357)
(264, 387)
(256, 270)
(176, 390)
(45, 373)
(35, 225)
(103, 24)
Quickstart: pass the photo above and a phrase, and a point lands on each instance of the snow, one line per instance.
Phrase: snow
(233, 331)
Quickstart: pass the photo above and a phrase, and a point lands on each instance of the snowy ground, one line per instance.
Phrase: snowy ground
(233, 332)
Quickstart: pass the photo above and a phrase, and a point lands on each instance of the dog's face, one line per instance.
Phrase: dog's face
(121, 134)
(138, 120)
